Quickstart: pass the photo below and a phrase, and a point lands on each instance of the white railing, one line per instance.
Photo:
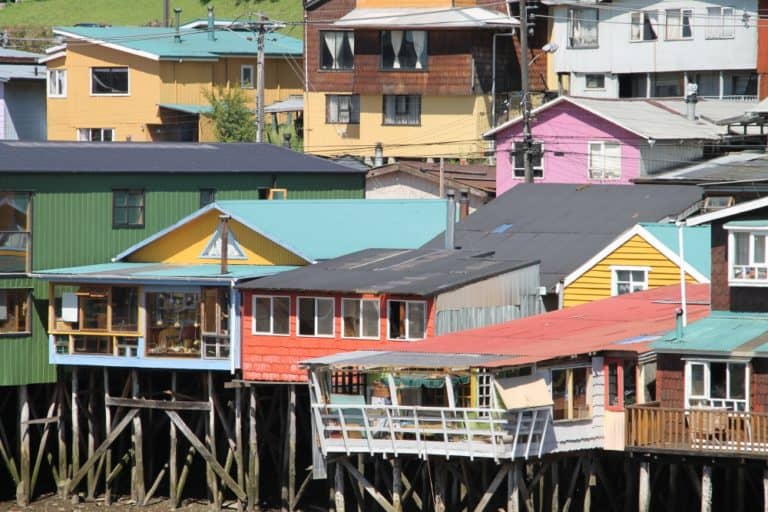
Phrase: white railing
(423, 431)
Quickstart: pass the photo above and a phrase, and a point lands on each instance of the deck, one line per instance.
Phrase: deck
(696, 431)
(445, 431)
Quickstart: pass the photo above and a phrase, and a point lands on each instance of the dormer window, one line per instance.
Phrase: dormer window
(747, 253)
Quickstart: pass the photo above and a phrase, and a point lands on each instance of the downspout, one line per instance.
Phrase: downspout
(681, 262)
(235, 314)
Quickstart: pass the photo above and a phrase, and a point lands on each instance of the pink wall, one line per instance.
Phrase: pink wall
(565, 130)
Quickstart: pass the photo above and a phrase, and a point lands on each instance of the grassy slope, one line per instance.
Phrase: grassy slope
(49, 13)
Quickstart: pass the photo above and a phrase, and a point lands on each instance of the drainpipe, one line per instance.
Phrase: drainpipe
(211, 24)
(450, 221)
(177, 36)
(681, 261)
(224, 242)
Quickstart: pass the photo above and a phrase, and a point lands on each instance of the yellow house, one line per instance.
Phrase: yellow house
(642, 258)
(149, 83)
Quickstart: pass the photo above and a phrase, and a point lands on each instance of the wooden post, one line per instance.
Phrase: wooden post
(138, 446)
(75, 424)
(253, 453)
(440, 486)
(589, 481)
(740, 483)
(765, 490)
(23, 486)
(513, 491)
(107, 431)
(239, 439)
(173, 470)
(288, 490)
(706, 489)
(397, 484)
(360, 490)
(338, 485)
(211, 436)
(672, 496)
(62, 488)
(644, 491)
(91, 479)
(555, 488)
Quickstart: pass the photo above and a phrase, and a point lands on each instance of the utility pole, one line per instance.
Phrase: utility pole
(260, 81)
(525, 102)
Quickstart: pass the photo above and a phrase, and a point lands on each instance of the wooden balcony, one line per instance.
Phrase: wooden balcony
(422, 431)
(697, 431)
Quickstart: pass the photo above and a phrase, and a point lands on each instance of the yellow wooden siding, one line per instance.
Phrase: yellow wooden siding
(184, 245)
(636, 252)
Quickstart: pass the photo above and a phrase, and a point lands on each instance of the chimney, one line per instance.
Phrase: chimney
(177, 37)
(691, 98)
(679, 324)
(224, 242)
(463, 204)
(211, 24)
(166, 13)
(378, 155)
(287, 140)
(450, 221)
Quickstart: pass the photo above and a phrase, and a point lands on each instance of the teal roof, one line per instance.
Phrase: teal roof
(696, 243)
(160, 272)
(187, 109)
(721, 333)
(328, 228)
(195, 44)
(747, 224)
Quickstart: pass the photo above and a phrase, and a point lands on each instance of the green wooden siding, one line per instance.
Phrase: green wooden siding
(72, 225)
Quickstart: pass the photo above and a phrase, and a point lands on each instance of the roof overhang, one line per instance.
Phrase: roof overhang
(426, 18)
(120, 48)
(744, 207)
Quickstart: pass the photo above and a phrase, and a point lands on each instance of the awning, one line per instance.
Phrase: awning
(523, 392)
(292, 104)
(469, 17)
(187, 109)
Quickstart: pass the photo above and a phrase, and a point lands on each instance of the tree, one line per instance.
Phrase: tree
(233, 121)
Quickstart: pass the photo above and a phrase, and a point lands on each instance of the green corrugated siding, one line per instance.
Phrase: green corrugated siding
(72, 225)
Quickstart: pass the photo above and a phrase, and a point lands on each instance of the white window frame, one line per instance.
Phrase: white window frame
(725, 27)
(682, 13)
(84, 134)
(271, 315)
(569, 390)
(406, 118)
(352, 100)
(603, 144)
(102, 94)
(53, 77)
(586, 82)
(345, 35)
(243, 83)
(643, 16)
(576, 17)
(407, 318)
(333, 317)
(515, 169)
(378, 320)
(615, 278)
(706, 399)
(751, 264)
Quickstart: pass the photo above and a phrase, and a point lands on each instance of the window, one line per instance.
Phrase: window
(594, 81)
(604, 160)
(644, 26)
(621, 382)
(582, 27)
(125, 309)
(485, 390)
(717, 384)
(747, 257)
(14, 311)
(173, 327)
(271, 315)
(667, 85)
(569, 393)
(517, 157)
(57, 83)
(207, 196)
(403, 49)
(95, 134)
(360, 317)
(708, 83)
(215, 326)
(739, 83)
(109, 81)
(337, 50)
(15, 231)
(679, 24)
(628, 280)
(402, 110)
(720, 23)
(407, 319)
(342, 108)
(246, 76)
(128, 209)
(316, 316)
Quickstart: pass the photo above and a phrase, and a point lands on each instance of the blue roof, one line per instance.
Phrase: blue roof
(721, 333)
(160, 42)
(696, 243)
(160, 271)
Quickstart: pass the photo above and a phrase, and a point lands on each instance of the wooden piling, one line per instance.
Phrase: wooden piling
(239, 440)
(253, 453)
(173, 468)
(513, 490)
(91, 478)
(211, 437)
(138, 445)
(75, 424)
(765, 490)
(23, 485)
(107, 431)
(62, 488)
(644, 487)
(338, 486)
(440, 474)
(706, 488)
(397, 484)
(288, 489)
(555, 502)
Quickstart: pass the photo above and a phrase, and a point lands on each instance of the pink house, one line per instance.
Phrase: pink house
(580, 140)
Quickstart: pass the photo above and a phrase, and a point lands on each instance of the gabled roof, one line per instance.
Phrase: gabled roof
(160, 157)
(426, 17)
(663, 237)
(480, 179)
(746, 206)
(645, 118)
(722, 333)
(421, 272)
(565, 225)
(158, 43)
(323, 229)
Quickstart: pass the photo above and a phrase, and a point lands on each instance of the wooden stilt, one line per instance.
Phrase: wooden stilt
(370, 489)
(513, 491)
(644, 488)
(239, 440)
(75, 410)
(107, 431)
(672, 486)
(397, 484)
(589, 482)
(338, 486)
(491, 490)
(288, 489)
(360, 491)
(572, 485)
(23, 485)
(555, 506)
(61, 440)
(440, 486)
(740, 488)
(253, 453)
(211, 435)
(138, 444)
(332, 489)
(91, 479)
(706, 488)
(765, 490)
(173, 471)
(629, 482)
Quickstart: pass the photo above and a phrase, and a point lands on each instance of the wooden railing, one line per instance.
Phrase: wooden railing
(696, 430)
(463, 432)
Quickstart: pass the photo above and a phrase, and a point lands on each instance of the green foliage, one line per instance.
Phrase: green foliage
(233, 120)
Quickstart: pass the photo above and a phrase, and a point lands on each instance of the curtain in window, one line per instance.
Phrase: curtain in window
(419, 44)
(351, 41)
(612, 168)
(742, 248)
(396, 36)
(650, 26)
(333, 109)
(337, 42)
(389, 109)
(673, 24)
(636, 30)
(333, 46)
(588, 27)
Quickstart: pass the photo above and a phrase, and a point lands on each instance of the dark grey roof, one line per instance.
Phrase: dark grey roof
(422, 272)
(565, 225)
(739, 166)
(159, 158)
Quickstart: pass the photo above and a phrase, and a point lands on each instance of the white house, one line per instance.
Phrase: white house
(646, 48)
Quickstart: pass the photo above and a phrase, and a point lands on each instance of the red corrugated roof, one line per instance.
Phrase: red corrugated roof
(616, 323)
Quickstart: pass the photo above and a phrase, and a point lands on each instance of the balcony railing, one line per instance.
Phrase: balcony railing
(696, 430)
(422, 431)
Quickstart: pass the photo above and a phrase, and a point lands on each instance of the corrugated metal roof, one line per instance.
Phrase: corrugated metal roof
(159, 271)
(737, 166)
(480, 178)
(159, 42)
(409, 17)
(721, 333)
(696, 243)
(711, 110)
(187, 109)
(563, 225)
(376, 359)
(21, 71)
(158, 157)
(291, 104)
(8, 54)
(419, 272)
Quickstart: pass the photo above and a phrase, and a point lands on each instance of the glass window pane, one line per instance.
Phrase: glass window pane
(622, 275)
(697, 379)
(613, 384)
(737, 378)
(638, 276)
(559, 394)
(281, 315)
(324, 317)
(717, 380)
(630, 384)
(416, 320)
(759, 248)
(14, 314)
(371, 318)
(741, 248)
(396, 318)
(125, 309)
(350, 312)
(306, 316)
(580, 405)
(262, 314)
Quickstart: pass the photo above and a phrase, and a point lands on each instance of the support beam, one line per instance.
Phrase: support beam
(23, 485)
(495, 483)
(397, 484)
(369, 488)
(555, 507)
(765, 490)
(107, 431)
(138, 444)
(239, 437)
(61, 439)
(288, 488)
(173, 468)
(706, 488)
(513, 490)
(572, 485)
(644, 488)
(91, 479)
(211, 439)
(338, 486)
(440, 486)
(75, 410)
(253, 453)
